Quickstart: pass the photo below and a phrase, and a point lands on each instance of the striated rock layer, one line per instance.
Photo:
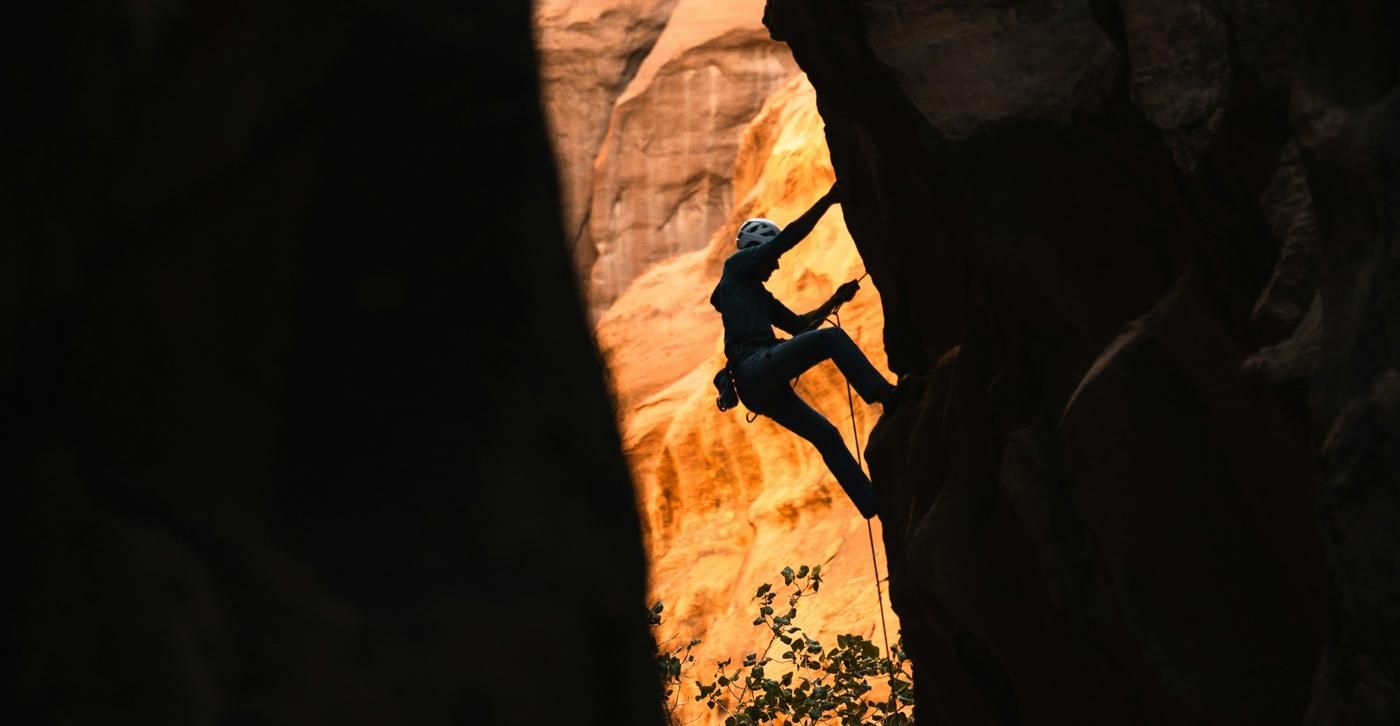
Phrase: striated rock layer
(1140, 261)
(646, 102)
(589, 51)
(727, 504)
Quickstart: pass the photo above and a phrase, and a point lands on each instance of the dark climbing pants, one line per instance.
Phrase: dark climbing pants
(763, 379)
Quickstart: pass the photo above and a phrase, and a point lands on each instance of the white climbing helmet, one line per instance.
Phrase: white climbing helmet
(756, 231)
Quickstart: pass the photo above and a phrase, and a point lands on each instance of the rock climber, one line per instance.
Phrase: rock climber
(762, 366)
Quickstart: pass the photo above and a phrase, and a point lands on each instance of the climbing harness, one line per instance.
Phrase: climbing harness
(728, 392)
(728, 395)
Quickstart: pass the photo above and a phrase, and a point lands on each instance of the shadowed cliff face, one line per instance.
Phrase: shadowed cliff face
(1140, 262)
(295, 321)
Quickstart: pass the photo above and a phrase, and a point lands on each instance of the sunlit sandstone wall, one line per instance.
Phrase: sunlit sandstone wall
(714, 125)
(589, 51)
(727, 504)
(646, 102)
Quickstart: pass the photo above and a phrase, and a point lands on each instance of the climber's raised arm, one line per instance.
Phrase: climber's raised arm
(800, 227)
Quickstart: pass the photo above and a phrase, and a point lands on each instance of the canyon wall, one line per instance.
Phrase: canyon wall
(290, 321)
(727, 504)
(646, 103)
(589, 51)
(1139, 261)
(715, 110)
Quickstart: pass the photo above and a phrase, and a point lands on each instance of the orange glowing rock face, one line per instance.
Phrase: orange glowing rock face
(646, 101)
(716, 126)
(587, 51)
(727, 504)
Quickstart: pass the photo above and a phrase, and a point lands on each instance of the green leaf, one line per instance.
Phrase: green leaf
(843, 676)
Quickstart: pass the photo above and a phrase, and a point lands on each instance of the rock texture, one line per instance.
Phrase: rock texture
(1345, 105)
(727, 504)
(660, 178)
(1140, 262)
(646, 100)
(589, 51)
(278, 365)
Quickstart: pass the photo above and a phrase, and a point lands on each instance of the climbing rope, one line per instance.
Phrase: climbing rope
(869, 529)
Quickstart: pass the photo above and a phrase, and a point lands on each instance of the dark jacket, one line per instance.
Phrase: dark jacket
(748, 310)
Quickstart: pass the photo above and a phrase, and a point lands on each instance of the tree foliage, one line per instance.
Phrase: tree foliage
(807, 682)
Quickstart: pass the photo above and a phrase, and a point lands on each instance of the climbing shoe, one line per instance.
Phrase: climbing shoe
(894, 395)
(865, 500)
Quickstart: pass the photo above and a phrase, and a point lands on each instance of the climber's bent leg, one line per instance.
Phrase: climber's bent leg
(790, 358)
(796, 416)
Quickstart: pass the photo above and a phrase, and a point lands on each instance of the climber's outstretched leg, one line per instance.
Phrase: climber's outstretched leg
(793, 414)
(791, 358)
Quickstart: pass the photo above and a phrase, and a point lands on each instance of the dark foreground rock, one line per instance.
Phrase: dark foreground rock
(303, 418)
(1140, 261)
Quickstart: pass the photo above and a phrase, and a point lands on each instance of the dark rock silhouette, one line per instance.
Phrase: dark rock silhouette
(295, 322)
(1140, 262)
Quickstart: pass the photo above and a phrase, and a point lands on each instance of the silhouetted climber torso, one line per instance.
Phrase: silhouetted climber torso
(763, 366)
